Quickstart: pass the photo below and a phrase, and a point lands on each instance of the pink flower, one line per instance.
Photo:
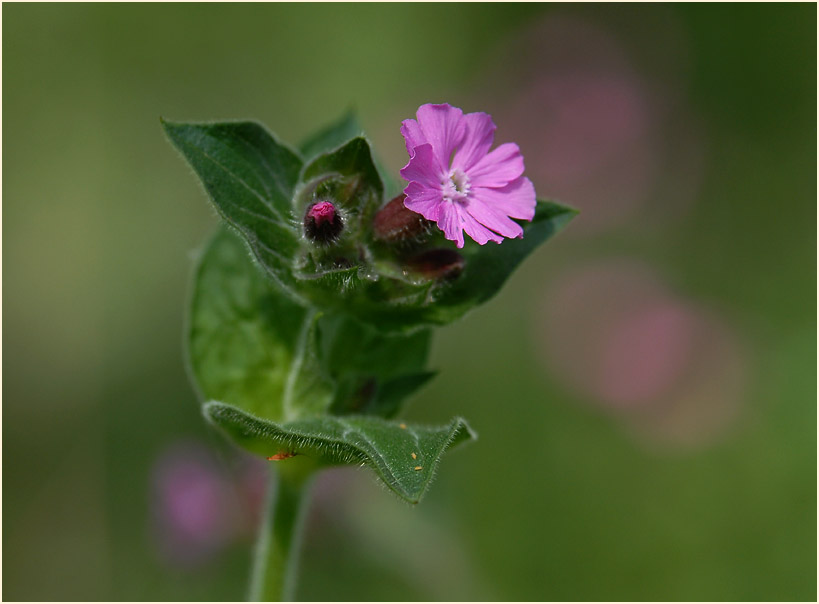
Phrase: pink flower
(455, 181)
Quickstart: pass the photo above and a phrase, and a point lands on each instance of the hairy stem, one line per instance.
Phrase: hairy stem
(275, 564)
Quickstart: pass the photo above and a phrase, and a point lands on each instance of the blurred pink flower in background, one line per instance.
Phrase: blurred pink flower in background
(592, 144)
(705, 405)
(614, 334)
(198, 507)
(617, 140)
(597, 131)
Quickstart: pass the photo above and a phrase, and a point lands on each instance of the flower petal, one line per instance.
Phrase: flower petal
(498, 168)
(423, 200)
(454, 220)
(474, 229)
(517, 199)
(480, 132)
(449, 222)
(413, 137)
(444, 127)
(494, 219)
(423, 167)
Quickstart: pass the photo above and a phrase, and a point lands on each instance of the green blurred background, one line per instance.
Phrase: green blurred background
(644, 386)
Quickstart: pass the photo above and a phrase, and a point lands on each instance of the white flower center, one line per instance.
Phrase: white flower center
(455, 186)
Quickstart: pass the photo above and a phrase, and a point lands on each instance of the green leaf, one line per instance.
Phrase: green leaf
(243, 333)
(374, 372)
(309, 389)
(387, 447)
(250, 178)
(487, 267)
(338, 133)
(332, 137)
(352, 347)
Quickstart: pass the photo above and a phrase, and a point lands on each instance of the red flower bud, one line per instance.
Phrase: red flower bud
(322, 223)
(439, 264)
(395, 222)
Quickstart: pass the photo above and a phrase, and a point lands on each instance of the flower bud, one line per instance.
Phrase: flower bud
(438, 264)
(322, 223)
(395, 222)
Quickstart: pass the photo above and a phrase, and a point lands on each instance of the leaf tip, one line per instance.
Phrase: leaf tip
(462, 431)
(211, 411)
(168, 126)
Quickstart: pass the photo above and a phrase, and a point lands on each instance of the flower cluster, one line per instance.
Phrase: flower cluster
(458, 183)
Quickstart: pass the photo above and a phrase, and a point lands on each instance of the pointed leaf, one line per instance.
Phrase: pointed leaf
(338, 133)
(487, 267)
(387, 447)
(249, 177)
(332, 137)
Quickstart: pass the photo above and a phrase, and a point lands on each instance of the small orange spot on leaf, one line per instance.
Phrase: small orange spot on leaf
(414, 456)
(419, 467)
(402, 426)
(281, 455)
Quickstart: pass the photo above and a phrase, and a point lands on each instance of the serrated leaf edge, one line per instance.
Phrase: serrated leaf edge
(339, 450)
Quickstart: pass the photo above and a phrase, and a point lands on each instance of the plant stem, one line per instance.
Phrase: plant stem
(275, 561)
